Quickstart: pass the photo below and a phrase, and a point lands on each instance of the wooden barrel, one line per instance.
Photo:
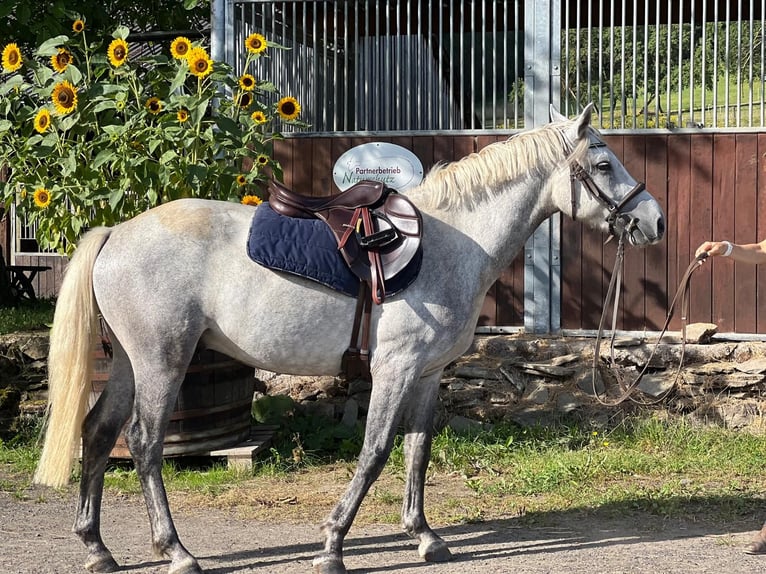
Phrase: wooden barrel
(213, 408)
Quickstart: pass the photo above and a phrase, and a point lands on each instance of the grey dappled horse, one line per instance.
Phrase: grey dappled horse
(179, 274)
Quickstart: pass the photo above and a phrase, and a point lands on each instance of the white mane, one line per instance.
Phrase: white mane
(464, 183)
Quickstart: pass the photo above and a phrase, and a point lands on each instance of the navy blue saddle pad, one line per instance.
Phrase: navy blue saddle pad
(307, 248)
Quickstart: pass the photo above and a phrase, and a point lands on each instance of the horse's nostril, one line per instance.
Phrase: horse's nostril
(661, 227)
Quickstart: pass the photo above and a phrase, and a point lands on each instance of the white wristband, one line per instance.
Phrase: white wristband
(729, 248)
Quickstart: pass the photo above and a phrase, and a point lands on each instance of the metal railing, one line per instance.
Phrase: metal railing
(665, 64)
(393, 64)
(445, 65)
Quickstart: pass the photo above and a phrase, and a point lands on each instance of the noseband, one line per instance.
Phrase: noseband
(614, 209)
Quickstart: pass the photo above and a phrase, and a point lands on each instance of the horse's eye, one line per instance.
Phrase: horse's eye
(604, 166)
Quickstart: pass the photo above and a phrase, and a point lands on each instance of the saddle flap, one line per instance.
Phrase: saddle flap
(396, 213)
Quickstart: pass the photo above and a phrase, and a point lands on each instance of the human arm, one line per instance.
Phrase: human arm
(754, 253)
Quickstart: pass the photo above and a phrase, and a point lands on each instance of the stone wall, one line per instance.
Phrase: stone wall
(522, 378)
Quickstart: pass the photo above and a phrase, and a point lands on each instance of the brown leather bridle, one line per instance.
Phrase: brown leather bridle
(620, 224)
(618, 221)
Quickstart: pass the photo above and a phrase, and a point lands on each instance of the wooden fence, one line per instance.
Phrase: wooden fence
(711, 185)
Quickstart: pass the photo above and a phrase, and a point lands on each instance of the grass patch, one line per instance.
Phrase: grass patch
(27, 316)
(669, 468)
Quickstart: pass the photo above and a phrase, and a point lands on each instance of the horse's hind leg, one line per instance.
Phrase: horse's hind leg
(418, 434)
(157, 385)
(100, 430)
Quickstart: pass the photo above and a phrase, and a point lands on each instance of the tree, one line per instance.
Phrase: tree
(30, 23)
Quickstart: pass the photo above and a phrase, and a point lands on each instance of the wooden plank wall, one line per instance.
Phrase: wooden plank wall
(710, 186)
(308, 164)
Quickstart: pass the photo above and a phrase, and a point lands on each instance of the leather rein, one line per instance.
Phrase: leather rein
(621, 224)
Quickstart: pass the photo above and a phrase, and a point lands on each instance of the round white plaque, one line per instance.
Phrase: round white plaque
(392, 164)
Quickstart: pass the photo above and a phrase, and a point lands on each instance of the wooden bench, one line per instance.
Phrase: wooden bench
(21, 278)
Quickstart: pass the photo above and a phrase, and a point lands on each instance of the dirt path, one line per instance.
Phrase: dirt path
(35, 539)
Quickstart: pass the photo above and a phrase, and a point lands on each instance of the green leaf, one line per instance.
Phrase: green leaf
(179, 79)
(68, 121)
(168, 156)
(5, 125)
(190, 4)
(68, 164)
(122, 32)
(51, 46)
(104, 105)
(228, 125)
(11, 83)
(73, 74)
(104, 156)
(115, 199)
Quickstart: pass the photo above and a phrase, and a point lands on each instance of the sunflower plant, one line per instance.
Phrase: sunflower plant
(92, 136)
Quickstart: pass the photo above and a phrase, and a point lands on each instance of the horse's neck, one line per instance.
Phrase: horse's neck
(500, 223)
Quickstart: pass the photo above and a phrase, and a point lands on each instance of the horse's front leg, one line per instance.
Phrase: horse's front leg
(758, 545)
(418, 429)
(383, 417)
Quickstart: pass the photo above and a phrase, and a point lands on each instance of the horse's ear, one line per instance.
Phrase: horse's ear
(556, 116)
(580, 126)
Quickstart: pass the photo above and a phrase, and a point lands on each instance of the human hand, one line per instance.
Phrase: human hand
(710, 248)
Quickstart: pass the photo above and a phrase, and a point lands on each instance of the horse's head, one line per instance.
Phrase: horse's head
(600, 190)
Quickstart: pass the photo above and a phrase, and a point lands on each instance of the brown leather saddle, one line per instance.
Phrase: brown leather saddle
(378, 232)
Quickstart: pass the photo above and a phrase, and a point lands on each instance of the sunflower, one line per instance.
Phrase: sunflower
(42, 197)
(153, 105)
(60, 61)
(258, 117)
(64, 97)
(182, 115)
(288, 108)
(42, 120)
(11, 57)
(78, 26)
(255, 43)
(180, 47)
(245, 99)
(247, 82)
(117, 52)
(200, 63)
(252, 200)
(262, 160)
(241, 179)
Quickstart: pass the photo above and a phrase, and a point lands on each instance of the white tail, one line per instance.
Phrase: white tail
(69, 362)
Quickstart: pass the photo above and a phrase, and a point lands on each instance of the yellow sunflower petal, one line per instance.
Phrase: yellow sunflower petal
(288, 108)
(11, 57)
(42, 120)
(42, 197)
(255, 43)
(200, 63)
(64, 97)
(252, 200)
(180, 47)
(117, 52)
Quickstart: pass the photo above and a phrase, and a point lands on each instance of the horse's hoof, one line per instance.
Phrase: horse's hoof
(186, 566)
(328, 565)
(100, 563)
(434, 551)
(758, 546)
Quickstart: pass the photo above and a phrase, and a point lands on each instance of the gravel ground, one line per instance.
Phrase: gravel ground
(35, 538)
